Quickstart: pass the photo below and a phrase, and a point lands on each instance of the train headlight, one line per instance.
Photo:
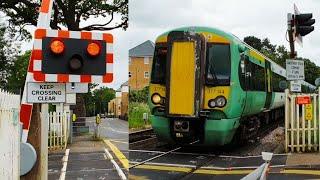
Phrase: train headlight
(212, 103)
(220, 101)
(156, 98)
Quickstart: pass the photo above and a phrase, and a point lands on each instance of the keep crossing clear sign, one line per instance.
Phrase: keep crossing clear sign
(46, 93)
(295, 69)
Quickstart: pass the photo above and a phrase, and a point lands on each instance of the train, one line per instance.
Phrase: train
(208, 86)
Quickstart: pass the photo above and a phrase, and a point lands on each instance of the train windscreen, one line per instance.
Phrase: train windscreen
(218, 66)
(158, 74)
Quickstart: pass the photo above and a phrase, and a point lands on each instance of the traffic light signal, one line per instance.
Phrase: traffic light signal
(71, 56)
(303, 24)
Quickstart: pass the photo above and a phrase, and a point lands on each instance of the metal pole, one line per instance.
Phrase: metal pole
(290, 34)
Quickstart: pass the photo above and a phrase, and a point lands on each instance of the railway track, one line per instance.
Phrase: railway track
(220, 151)
(142, 139)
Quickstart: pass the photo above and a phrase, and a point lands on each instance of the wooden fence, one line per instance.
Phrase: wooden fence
(59, 127)
(302, 123)
(10, 130)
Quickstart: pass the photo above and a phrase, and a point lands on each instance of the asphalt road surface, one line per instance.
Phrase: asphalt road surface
(87, 158)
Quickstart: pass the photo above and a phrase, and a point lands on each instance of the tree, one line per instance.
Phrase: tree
(253, 42)
(8, 50)
(18, 73)
(67, 13)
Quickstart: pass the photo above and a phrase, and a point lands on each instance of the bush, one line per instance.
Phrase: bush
(139, 95)
(136, 110)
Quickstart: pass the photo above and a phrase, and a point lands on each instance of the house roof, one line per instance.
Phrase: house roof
(142, 50)
(125, 84)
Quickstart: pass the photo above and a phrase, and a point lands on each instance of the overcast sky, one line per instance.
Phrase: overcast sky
(150, 18)
(260, 18)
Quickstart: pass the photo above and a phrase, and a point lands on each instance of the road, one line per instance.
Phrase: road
(193, 165)
(86, 158)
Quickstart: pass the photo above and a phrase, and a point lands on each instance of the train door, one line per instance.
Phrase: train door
(184, 84)
(248, 86)
(268, 85)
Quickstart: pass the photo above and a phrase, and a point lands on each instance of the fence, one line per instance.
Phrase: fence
(9, 136)
(59, 127)
(302, 122)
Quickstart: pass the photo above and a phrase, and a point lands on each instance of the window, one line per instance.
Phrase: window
(146, 74)
(218, 67)
(158, 73)
(257, 77)
(276, 79)
(130, 74)
(146, 60)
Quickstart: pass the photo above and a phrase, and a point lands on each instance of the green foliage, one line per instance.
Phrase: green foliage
(8, 50)
(279, 54)
(139, 95)
(96, 101)
(136, 111)
(67, 13)
(18, 73)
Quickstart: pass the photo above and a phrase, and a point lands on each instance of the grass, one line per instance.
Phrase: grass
(136, 111)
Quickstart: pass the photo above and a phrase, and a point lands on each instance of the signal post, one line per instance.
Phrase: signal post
(58, 57)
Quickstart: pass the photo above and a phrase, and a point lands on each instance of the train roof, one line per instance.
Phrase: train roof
(234, 39)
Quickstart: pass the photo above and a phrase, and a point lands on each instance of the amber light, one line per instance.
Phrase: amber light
(57, 46)
(93, 49)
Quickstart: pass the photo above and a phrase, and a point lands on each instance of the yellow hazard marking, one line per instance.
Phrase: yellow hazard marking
(221, 172)
(300, 171)
(124, 142)
(124, 161)
(308, 115)
(186, 170)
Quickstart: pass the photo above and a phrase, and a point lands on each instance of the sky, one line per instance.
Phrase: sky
(259, 18)
(149, 18)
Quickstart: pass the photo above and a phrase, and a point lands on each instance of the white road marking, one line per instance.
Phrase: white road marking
(119, 170)
(65, 163)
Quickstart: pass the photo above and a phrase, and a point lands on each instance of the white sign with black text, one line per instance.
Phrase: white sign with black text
(46, 93)
(295, 69)
(295, 86)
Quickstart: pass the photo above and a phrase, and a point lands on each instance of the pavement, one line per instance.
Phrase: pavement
(89, 158)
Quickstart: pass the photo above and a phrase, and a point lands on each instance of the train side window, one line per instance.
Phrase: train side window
(276, 79)
(258, 82)
(244, 76)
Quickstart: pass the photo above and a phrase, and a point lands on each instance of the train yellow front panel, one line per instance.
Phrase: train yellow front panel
(182, 78)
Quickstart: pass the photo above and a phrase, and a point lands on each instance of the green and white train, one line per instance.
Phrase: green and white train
(208, 85)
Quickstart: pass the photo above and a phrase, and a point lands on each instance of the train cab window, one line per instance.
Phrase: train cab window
(158, 74)
(218, 64)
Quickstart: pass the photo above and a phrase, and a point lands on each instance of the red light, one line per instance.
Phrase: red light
(57, 46)
(93, 49)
